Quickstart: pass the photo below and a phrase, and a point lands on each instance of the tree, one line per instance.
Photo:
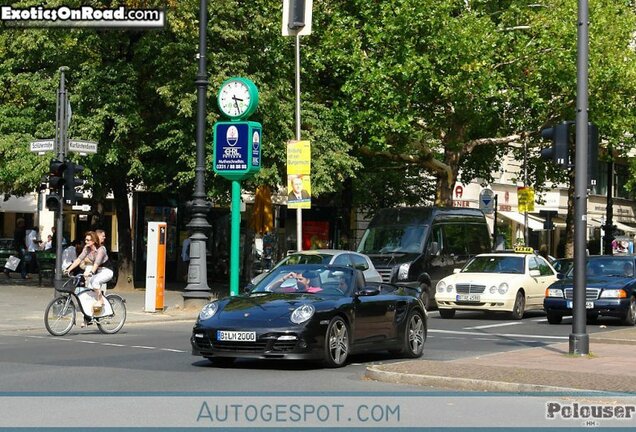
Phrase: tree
(450, 84)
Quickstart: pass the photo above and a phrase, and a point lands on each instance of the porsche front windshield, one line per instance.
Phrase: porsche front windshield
(307, 278)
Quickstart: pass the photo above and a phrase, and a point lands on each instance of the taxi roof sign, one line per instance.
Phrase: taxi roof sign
(523, 249)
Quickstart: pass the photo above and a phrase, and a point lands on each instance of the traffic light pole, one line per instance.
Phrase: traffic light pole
(579, 339)
(60, 150)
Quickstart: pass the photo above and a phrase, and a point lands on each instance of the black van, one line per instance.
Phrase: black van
(418, 246)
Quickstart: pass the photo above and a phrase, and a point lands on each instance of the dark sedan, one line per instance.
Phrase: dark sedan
(312, 312)
(610, 291)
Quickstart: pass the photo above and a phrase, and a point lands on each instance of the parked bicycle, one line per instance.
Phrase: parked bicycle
(61, 312)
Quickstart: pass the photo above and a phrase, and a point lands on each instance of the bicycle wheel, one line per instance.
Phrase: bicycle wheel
(113, 323)
(59, 316)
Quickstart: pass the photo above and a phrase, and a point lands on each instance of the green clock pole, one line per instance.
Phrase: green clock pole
(235, 237)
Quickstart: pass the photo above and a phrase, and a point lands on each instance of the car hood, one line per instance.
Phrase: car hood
(605, 282)
(391, 259)
(265, 309)
(483, 278)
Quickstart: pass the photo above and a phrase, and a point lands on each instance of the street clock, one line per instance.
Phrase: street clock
(238, 98)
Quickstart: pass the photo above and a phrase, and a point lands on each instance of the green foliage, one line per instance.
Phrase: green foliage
(403, 78)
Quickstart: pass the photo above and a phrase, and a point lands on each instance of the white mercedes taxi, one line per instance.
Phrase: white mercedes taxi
(500, 281)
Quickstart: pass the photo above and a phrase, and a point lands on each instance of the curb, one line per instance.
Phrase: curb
(377, 374)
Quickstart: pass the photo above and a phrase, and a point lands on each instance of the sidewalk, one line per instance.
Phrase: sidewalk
(551, 368)
(609, 367)
(22, 304)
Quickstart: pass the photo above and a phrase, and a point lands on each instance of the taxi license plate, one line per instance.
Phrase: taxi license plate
(468, 297)
(236, 336)
(588, 305)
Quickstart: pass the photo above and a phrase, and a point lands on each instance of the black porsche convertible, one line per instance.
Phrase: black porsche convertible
(312, 312)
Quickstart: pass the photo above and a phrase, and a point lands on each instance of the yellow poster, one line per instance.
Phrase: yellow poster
(299, 174)
(525, 199)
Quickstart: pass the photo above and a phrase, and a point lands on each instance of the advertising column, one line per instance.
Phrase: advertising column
(155, 266)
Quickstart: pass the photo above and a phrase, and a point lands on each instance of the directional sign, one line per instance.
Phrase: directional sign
(487, 201)
(82, 146)
(41, 146)
(83, 207)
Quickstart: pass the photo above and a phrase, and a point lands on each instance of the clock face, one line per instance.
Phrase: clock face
(234, 98)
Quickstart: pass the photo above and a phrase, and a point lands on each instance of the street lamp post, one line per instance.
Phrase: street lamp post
(579, 339)
(197, 292)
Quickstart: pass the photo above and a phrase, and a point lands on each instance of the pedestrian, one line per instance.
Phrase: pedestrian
(48, 245)
(54, 240)
(70, 253)
(33, 244)
(19, 245)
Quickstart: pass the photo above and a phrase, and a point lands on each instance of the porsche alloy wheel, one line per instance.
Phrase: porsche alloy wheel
(336, 343)
(415, 335)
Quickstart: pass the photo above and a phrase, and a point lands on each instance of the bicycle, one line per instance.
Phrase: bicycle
(60, 313)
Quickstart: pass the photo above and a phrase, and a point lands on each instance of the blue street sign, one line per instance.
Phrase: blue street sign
(486, 201)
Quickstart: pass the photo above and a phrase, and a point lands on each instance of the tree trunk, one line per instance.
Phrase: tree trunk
(124, 263)
(445, 185)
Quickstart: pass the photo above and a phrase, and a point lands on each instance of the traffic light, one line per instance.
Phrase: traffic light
(296, 14)
(56, 175)
(559, 152)
(53, 202)
(592, 154)
(71, 196)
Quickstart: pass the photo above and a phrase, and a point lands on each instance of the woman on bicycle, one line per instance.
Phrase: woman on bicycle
(94, 254)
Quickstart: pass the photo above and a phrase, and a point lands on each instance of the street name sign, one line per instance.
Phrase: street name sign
(41, 146)
(82, 146)
(83, 207)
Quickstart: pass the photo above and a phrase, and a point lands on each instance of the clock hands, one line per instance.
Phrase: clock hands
(238, 109)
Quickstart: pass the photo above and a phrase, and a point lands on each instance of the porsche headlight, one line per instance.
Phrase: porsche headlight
(503, 288)
(302, 313)
(403, 271)
(441, 285)
(208, 310)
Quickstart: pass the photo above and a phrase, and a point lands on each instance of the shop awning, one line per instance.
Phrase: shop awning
(533, 222)
(624, 227)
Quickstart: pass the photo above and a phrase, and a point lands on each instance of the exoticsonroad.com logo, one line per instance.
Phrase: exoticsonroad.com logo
(84, 16)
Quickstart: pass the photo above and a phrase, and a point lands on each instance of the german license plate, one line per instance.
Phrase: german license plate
(236, 336)
(468, 297)
(588, 305)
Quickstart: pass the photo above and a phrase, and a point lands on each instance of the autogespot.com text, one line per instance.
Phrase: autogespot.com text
(420, 410)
